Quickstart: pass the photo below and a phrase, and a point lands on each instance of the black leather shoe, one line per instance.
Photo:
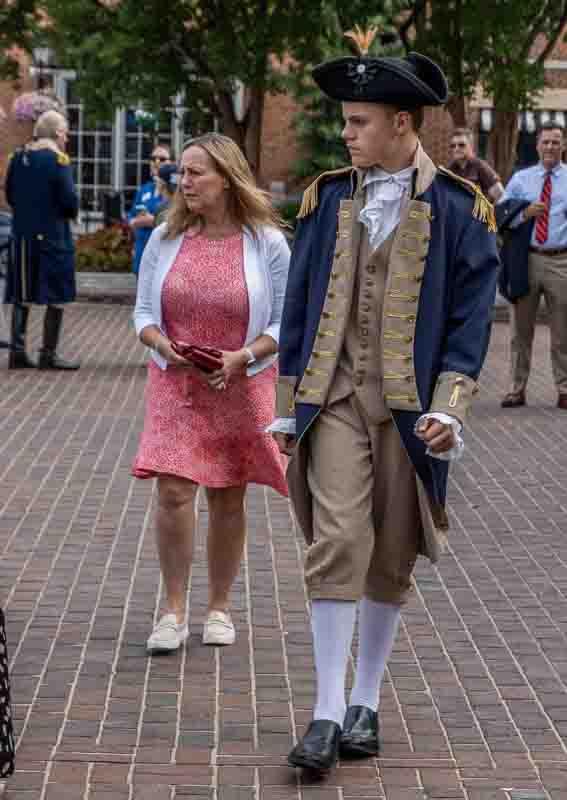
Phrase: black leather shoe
(360, 733)
(49, 360)
(319, 748)
(513, 400)
(20, 360)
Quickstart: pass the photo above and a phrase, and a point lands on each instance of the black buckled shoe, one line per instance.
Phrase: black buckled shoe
(319, 748)
(360, 733)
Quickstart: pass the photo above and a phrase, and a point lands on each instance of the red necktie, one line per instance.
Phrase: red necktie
(542, 223)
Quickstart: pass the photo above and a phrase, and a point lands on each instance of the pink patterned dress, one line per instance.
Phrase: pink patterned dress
(214, 438)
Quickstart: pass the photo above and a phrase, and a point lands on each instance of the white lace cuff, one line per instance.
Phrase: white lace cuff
(282, 425)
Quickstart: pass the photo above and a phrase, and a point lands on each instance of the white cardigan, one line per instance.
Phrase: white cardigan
(266, 264)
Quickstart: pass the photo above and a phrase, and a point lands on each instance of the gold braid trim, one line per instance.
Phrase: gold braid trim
(49, 144)
(483, 209)
(310, 199)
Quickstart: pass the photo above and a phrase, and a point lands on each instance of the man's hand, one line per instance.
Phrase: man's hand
(438, 437)
(534, 210)
(286, 443)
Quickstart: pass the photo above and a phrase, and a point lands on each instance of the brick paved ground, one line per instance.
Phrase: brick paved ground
(475, 705)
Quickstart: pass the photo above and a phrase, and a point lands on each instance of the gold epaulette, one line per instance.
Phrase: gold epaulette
(63, 159)
(483, 209)
(311, 194)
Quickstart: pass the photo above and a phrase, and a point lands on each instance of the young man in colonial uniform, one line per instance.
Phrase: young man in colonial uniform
(385, 327)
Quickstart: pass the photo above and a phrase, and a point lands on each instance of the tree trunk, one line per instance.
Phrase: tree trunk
(457, 108)
(248, 133)
(504, 142)
(253, 136)
(229, 124)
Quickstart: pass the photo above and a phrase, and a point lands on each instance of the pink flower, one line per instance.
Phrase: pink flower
(27, 107)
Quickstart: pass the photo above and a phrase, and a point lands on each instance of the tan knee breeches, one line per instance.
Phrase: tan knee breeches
(366, 517)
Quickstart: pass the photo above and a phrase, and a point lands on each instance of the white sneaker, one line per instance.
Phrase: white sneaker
(167, 635)
(218, 629)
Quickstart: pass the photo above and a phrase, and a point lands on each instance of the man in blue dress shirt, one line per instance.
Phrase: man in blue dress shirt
(146, 204)
(544, 187)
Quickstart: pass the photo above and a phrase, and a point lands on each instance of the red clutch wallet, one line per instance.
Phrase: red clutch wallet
(209, 359)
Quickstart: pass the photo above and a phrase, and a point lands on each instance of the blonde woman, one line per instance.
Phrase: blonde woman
(214, 275)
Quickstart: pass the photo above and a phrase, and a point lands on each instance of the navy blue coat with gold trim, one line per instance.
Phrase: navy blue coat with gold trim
(41, 192)
(455, 268)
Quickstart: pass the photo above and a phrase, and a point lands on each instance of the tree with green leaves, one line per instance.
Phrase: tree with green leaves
(19, 22)
(499, 45)
(131, 51)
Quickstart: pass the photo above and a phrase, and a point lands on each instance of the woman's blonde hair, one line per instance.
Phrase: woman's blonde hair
(248, 205)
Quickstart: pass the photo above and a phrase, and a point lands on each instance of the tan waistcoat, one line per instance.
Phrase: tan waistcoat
(360, 369)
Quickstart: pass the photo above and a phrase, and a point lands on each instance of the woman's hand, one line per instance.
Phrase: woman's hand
(234, 362)
(166, 351)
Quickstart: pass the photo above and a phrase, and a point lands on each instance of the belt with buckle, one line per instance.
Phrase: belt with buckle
(551, 251)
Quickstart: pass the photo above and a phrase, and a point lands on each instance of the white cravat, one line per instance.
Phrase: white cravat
(385, 196)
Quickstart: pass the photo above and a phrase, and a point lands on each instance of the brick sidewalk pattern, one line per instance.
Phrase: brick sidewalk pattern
(475, 701)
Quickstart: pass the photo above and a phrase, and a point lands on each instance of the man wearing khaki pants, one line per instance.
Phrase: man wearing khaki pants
(544, 186)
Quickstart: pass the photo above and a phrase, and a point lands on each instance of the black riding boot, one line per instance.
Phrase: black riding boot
(18, 358)
(48, 358)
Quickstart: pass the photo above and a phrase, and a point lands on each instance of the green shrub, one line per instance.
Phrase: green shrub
(106, 250)
(289, 211)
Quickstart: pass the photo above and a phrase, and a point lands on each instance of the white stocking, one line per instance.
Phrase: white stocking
(332, 622)
(377, 629)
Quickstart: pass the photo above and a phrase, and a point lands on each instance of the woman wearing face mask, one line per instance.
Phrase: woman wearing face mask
(213, 275)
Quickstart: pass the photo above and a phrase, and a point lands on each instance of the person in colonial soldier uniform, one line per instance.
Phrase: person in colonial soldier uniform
(385, 328)
(41, 192)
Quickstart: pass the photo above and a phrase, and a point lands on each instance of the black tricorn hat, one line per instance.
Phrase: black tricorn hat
(403, 82)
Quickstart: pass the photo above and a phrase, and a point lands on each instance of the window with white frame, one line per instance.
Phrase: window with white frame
(112, 157)
(139, 144)
(91, 150)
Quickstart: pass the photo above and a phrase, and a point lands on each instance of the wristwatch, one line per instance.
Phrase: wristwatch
(251, 356)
